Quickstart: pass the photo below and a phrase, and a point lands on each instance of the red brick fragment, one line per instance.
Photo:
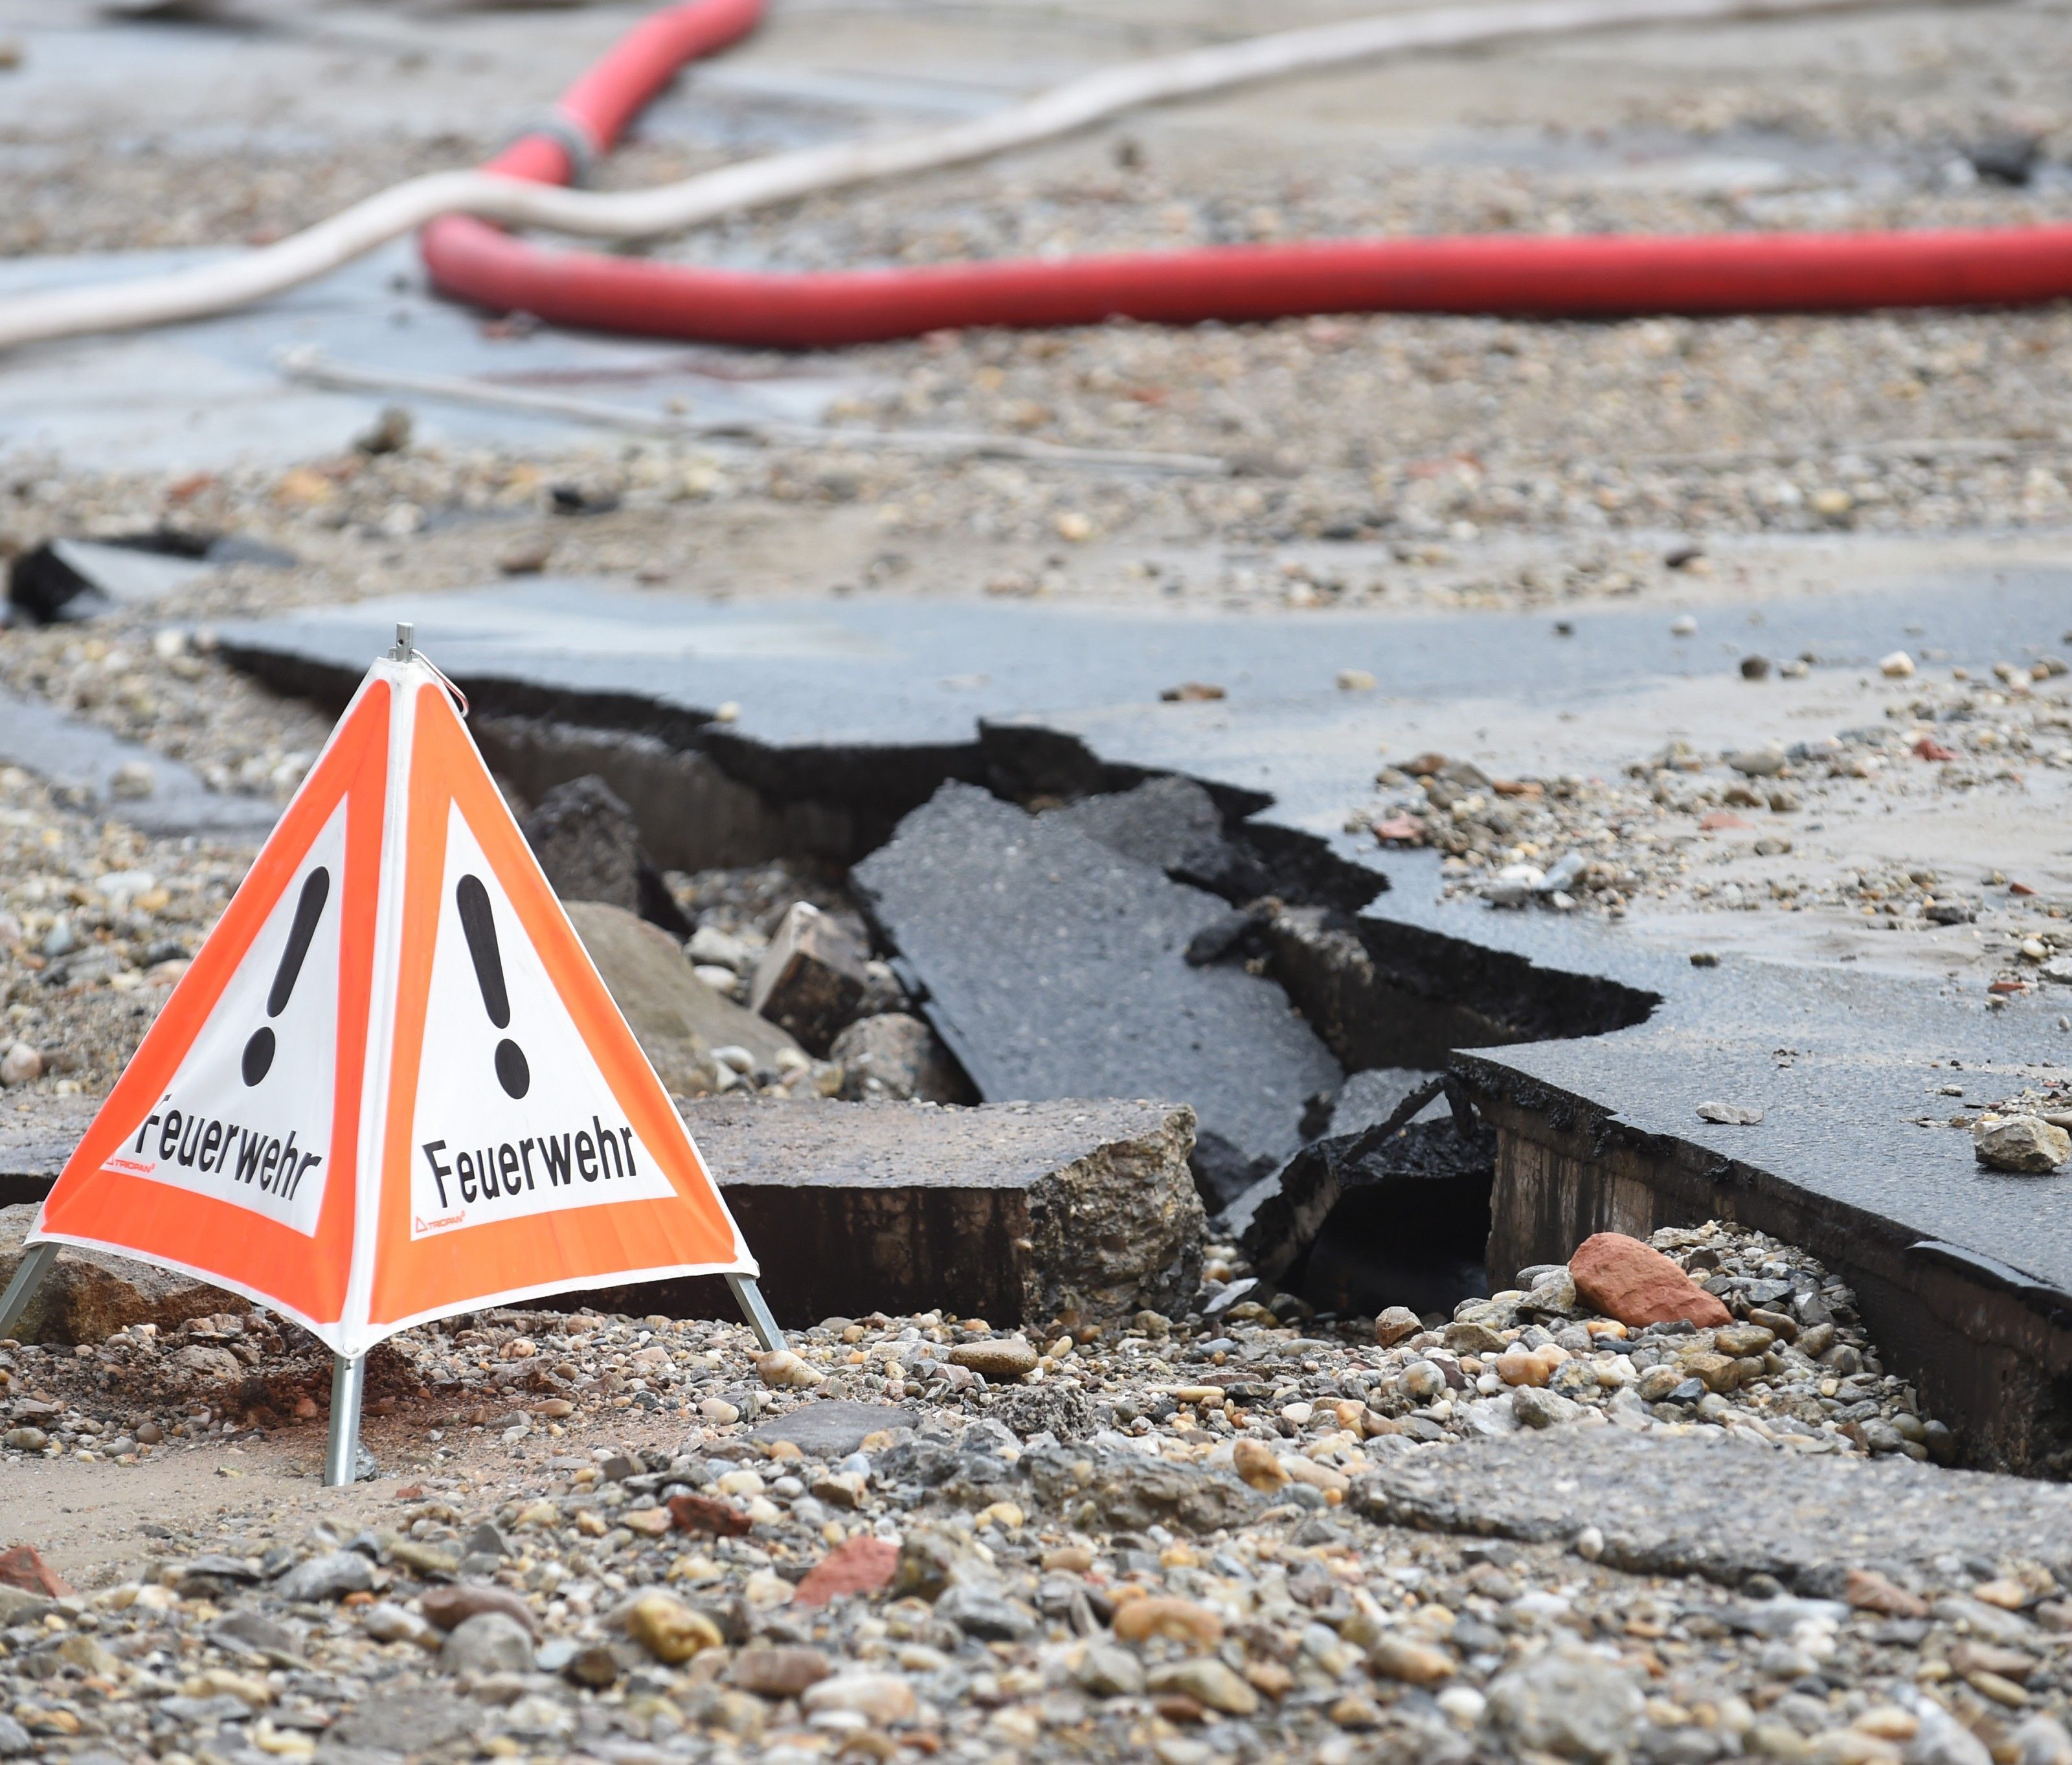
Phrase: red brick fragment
(1928, 748)
(860, 1565)
(1635, 1283)
(24, 1567)
(706, 1514)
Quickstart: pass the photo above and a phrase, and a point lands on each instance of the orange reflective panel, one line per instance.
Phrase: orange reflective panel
(229, 1147)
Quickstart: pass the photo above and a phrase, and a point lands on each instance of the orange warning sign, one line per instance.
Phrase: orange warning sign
(392, 1085)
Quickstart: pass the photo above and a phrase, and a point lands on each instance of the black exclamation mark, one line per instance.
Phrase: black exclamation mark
(316, 891)
(477, 921)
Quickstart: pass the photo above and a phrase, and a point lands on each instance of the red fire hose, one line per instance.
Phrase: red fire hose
(1596, 276)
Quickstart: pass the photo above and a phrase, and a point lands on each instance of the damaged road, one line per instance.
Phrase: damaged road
(852, 715)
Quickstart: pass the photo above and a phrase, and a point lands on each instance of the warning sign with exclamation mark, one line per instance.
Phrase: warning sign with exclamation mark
(514, 1116)
(246, 1117)
(392, 1085)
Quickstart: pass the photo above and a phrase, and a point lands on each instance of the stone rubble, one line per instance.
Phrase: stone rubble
(1568, 841)
(1144, 1541)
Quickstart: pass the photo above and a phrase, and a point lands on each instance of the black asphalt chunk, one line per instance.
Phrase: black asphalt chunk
(1054, 967)
(1705, 1505)
(1172, 824)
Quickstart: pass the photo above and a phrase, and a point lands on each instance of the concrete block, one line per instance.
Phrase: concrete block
(811, 978)
(1053, 967)
(1018, 1213)
(36, 1140)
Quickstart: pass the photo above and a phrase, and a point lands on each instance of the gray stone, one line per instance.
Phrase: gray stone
(17, 1606)
(87, 1295)
(1492, 1416)
(1942, 1740)
(277, 1644)
(895, 1054)
(1732, 1115)
(1107, 1670)
(981, 1610)
(2024, 1143)
(676, 1017)
(332, 1576)
(589, 844)
(1054, 967)
(13, 1738)
(1013, 1212)
(2041, 1740)
(1996, 1623)
(1552, 1294)
(833, 1428)
(486, 1540)
(810, 979)
(1657, 1500)
(1568, 1703)
(1537, 1408)
(1757, 762)
(709, 946)
(487, 1643)
(224, 1707)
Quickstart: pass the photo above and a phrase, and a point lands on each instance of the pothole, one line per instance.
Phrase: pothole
(1031, 923)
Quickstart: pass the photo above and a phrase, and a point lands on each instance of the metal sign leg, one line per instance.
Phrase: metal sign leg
(29, 1275)
(749, 1296)
(348, 1379)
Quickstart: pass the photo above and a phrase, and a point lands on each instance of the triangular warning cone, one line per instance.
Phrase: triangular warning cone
(392, 1085)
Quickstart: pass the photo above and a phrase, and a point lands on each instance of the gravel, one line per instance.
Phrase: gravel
(1567, 841)
(1156, 1542)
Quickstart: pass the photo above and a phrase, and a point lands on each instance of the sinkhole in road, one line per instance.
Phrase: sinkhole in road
(1068, 927)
